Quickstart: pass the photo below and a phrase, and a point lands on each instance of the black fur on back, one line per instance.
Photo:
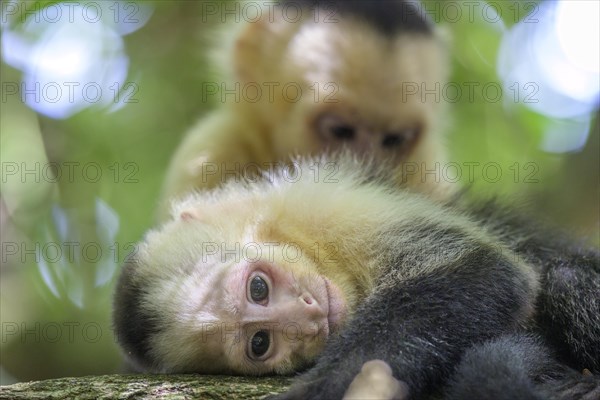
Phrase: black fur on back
(568, 306)
(389, 17)
(517, 366)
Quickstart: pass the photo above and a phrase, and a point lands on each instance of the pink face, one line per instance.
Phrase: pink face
(269, 319)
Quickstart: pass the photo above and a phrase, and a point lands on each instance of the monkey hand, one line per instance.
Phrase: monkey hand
(330, 379)
(375, 381)
(345, 376)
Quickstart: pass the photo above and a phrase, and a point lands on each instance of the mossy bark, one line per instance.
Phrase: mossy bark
(178, 387)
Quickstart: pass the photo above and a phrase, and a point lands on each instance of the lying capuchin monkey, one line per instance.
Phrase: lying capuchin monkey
(307, 77)
(383, 292)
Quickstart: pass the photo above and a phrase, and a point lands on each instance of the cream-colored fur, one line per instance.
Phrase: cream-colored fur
(356, 223)
(345, 68)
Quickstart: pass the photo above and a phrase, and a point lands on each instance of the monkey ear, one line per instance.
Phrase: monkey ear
(189, 214)
(192, 214)
(248, 49)
(259, 45)
(186, 210)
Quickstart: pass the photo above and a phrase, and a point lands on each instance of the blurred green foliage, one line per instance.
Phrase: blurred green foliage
(56, 315)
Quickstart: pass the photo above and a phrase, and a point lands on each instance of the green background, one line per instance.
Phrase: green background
(56, 320)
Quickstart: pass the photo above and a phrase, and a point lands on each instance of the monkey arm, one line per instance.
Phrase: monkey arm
(221, 147)
(421, 326)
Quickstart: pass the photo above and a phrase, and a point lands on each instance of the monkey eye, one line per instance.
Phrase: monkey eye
(343, 132)
(332, 127)
(259, 291)
(259, 344)
(397, 139)
(392, 140)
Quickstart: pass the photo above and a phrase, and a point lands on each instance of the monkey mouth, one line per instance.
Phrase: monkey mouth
(336, 306)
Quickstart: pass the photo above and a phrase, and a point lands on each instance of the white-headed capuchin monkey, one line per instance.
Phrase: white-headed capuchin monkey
(328, 261)
(306, 78)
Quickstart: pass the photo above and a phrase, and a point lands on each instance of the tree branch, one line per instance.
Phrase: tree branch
(178, 387)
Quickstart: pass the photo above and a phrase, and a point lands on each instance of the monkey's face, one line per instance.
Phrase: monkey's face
(337, 128)
(364, 91)
(221, 299)
(262, 318)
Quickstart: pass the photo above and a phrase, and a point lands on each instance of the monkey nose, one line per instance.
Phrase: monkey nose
(310, 306)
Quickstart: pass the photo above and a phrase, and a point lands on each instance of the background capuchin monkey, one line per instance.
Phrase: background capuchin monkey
(304, 79)
(325, 262)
